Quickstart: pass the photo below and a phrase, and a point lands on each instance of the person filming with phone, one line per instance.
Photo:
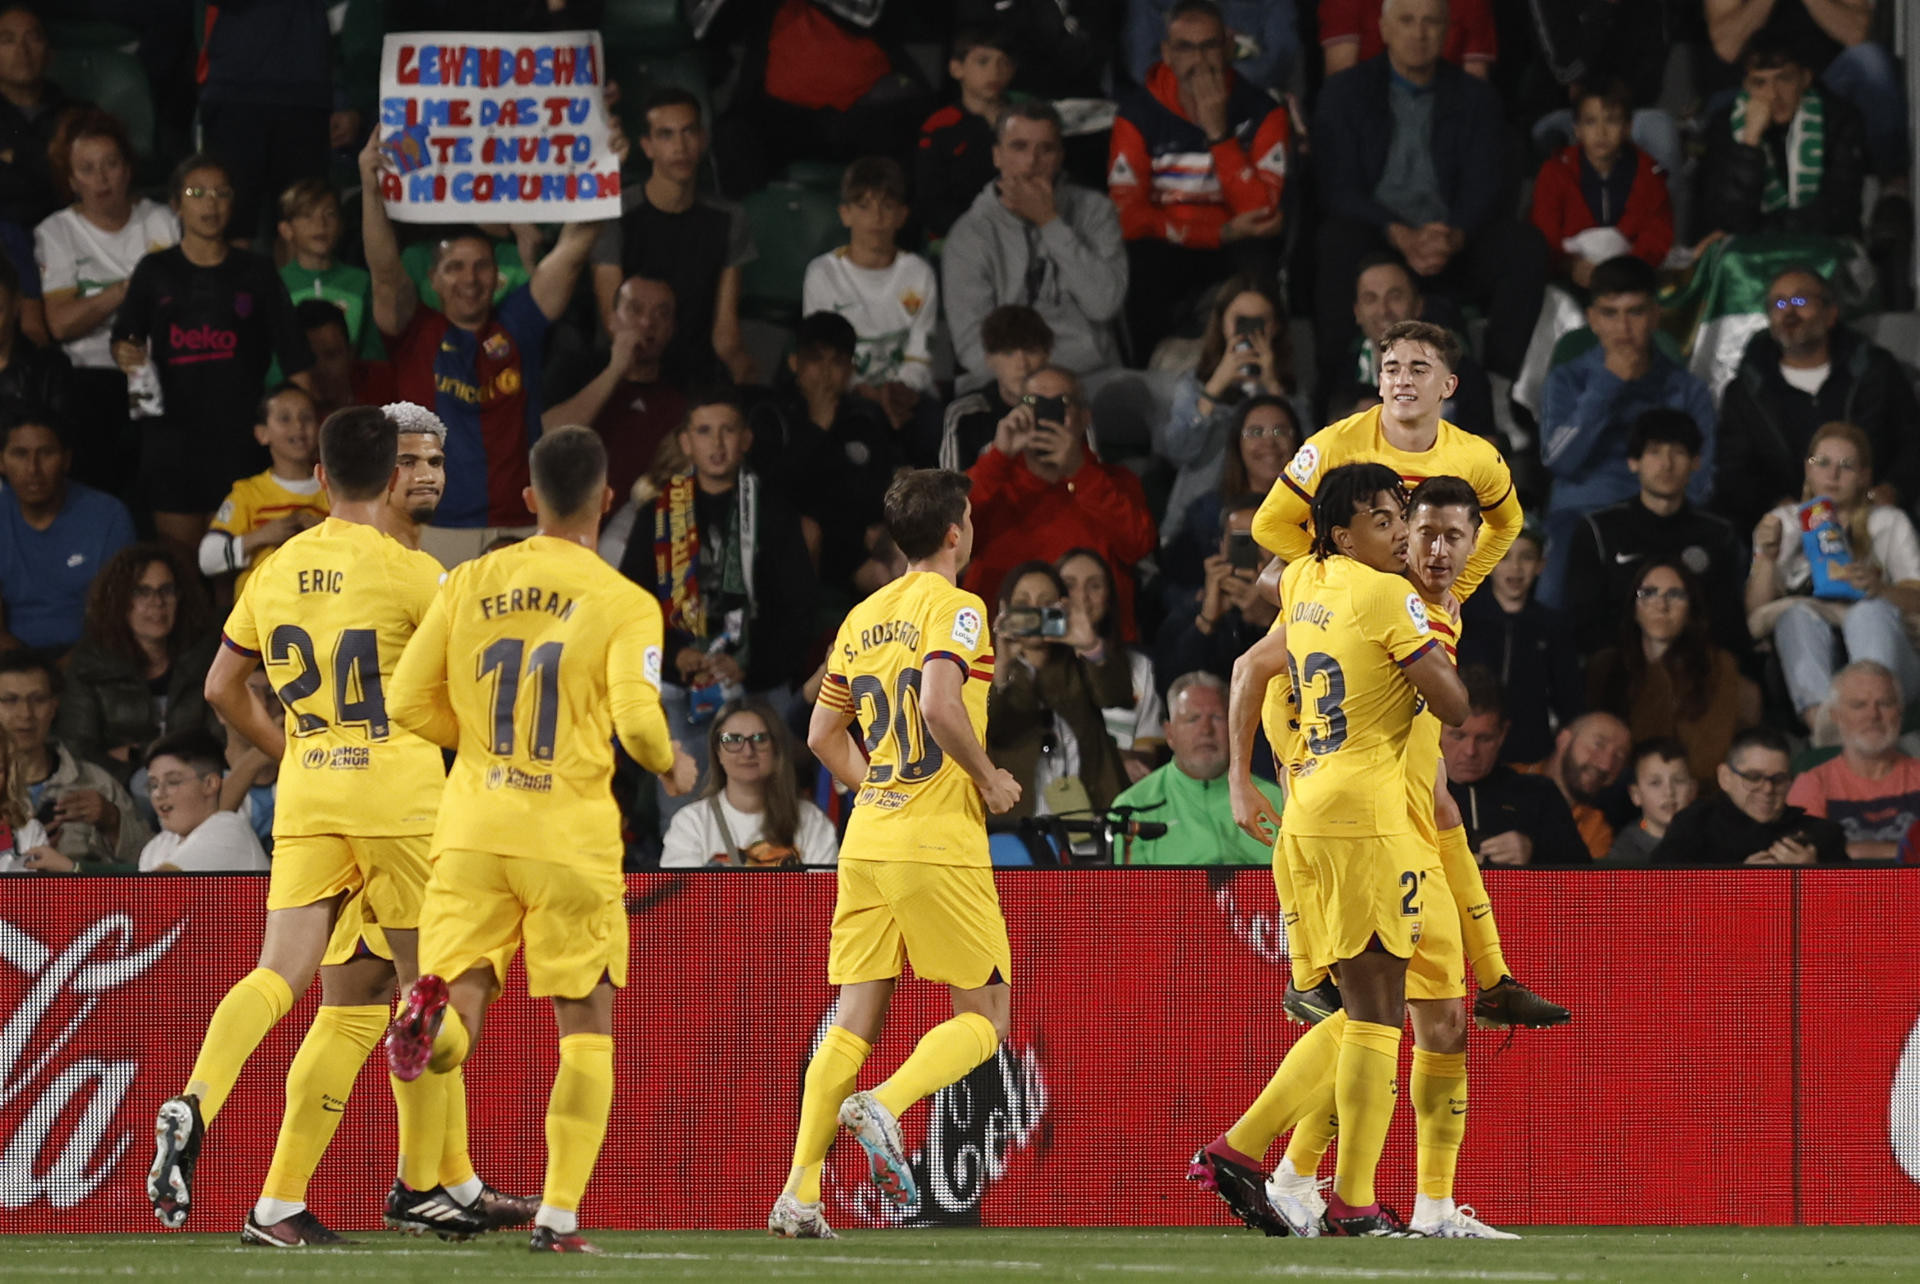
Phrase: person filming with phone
(1039, 491)
(1230, 615)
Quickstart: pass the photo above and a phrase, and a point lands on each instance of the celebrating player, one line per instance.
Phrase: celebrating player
(913, 663)
(422, 477)
(531, 659)
(345, 591)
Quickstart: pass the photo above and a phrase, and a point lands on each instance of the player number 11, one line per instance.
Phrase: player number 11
(502, 658)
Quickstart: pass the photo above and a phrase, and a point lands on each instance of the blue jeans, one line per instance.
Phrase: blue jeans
(1870, 630)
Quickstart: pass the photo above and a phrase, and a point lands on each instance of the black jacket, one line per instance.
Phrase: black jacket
(1534, 655)
(1609, 547)
(1766, 423)
(1715, 832)
(1506, 801)
(37, 376)
(1733, 175)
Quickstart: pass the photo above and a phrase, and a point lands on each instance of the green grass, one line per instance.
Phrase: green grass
(1594, 1254)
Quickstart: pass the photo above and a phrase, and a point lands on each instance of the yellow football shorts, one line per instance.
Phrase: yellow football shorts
(481, 907)
(1299, 894)
(944, 919)
(1366, 888)
(358, 929)
(1438, 969)
(391, 873)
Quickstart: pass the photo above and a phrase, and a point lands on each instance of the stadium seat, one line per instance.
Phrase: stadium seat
(820, 176)
(91, 35)
(114, 80)
(1008, 851)
(791, 226)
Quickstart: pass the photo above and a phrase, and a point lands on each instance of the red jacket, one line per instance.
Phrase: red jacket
(1168, 184)
(1560, 207)
(1017, 518)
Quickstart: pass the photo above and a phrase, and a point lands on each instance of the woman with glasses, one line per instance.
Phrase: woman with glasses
(1857, 599)
(137, 671)
(1122, 675)
(202, 322)
(1263, 436)
(750, 814)
(1665, 677)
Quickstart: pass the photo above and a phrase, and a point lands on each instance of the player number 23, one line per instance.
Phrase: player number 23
(915, 750)
(1324, 682)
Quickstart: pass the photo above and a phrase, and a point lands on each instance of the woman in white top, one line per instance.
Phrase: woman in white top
(1884, 566)
(751, 812)
(87, 251)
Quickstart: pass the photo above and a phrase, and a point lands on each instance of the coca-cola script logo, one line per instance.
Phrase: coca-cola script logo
(1262, 931)
(69, 980)
(1903, 1107)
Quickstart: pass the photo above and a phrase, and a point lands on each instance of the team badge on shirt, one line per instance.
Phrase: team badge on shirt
(966, 627)
(1305, 463)
(913, 301)
(496, 345)
(1417, 612)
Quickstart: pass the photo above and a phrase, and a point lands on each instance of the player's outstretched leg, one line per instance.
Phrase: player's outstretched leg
(177, 1133)
(1505, 1002)
(831, 1076)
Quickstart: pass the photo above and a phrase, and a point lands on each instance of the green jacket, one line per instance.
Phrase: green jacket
(1199, 820)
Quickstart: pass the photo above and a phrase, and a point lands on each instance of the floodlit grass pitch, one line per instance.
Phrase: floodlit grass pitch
(1598, 1254)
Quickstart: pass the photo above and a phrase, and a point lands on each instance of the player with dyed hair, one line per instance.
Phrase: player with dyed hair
(422, 477)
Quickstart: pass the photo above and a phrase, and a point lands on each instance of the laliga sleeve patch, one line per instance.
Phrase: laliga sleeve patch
(1417, 612)
(1305, 463)
(650, 666)
(966, 627)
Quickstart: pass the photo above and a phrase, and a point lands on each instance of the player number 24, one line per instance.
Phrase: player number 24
(357, 698)
(914, 749)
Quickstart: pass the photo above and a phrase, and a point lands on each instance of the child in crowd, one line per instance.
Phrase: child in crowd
(887, 294)
(955, 159)
(1660, 786)
(266, 510)
(310, 233)
(1602, 197)
(1018, 341)
(1528, 646)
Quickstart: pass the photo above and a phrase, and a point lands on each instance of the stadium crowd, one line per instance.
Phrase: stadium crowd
(1115, 261)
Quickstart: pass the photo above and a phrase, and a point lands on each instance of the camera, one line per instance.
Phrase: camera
(1242, 553)
(1047, 409)
(1035, 622)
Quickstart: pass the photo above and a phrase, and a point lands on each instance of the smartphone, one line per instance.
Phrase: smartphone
(1035, 621)
(48, 805)
(1048, 409)
(1242, 553)
(1249, 325)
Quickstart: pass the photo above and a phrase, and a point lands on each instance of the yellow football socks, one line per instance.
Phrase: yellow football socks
(251, 1008)
(577, 1117)
(1314, 1133)
(456, 1165)
(1438, 1086)
(831, 1077)
(451, 1043)
(318, 1083)
(944, 1055)
(1363, 1093)
(1477, 927)
(1307, 1067)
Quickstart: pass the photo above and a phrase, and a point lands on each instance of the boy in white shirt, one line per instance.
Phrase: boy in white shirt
(183, 777)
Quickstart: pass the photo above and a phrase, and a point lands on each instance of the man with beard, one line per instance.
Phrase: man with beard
(1189, 794)
(1872, 789)
(1588, 756)
(1512, 819)
(421, 473)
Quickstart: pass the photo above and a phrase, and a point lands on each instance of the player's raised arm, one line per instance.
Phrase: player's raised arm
(1263, 662)
(1280, 526)
(945, 710)
(419, 700)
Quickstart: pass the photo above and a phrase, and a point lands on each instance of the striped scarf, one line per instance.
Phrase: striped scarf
(1806, 154)
(676, 555)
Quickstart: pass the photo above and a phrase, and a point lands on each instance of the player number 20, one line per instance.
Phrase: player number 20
(503, 658)
(357, 697)
(914, 749)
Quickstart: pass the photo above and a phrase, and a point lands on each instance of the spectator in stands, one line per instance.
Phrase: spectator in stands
(1525, 645)
(266, 101)
(1044, 722)
(476, 365)
(137, 674)
(1386, 293)
(1602, 197)
(1198, 165)
(1122, 675)
(832, 452)
(1262, 436)
(1591, 402)
(1511, 818)
(888, 295)
(722, 550)
(1803, 371)
(1039, 491)
(1782, 156)
(1392, 177)
(1872, 790)
(1263, 38)
(1352, 31)
(1749, 822)
(309, 229)
(30, 108)
(1664, 676)
(1661, 786)
(1189, 794)
(750, 814)
(24, 844)
(88, 813)
(1031, 237)
(208, 320)
(1609, 546)
(31, 373)
(266, 510)
(1231, 613)
(1585, 42)
(1589, 754)
(1060, 48)
(631, 403)
(1859, 593)
(1244, 353)
(338, 379)
(955, 157)
(197, 836)
(55, 534)
(669, 232)
(1018, 341)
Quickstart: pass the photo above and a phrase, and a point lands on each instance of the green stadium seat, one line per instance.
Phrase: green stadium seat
(92, 35)
(820, 176)
(792, 225)
(114, 80)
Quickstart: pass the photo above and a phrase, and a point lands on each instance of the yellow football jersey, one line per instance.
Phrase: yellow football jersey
(532, 658)
(1285, 517)
(328, 616)
(1423, 740)
(255, 501)
(915, 804)
(1351, 630)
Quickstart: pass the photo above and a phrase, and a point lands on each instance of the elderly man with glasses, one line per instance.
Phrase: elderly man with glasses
(1749, 822)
